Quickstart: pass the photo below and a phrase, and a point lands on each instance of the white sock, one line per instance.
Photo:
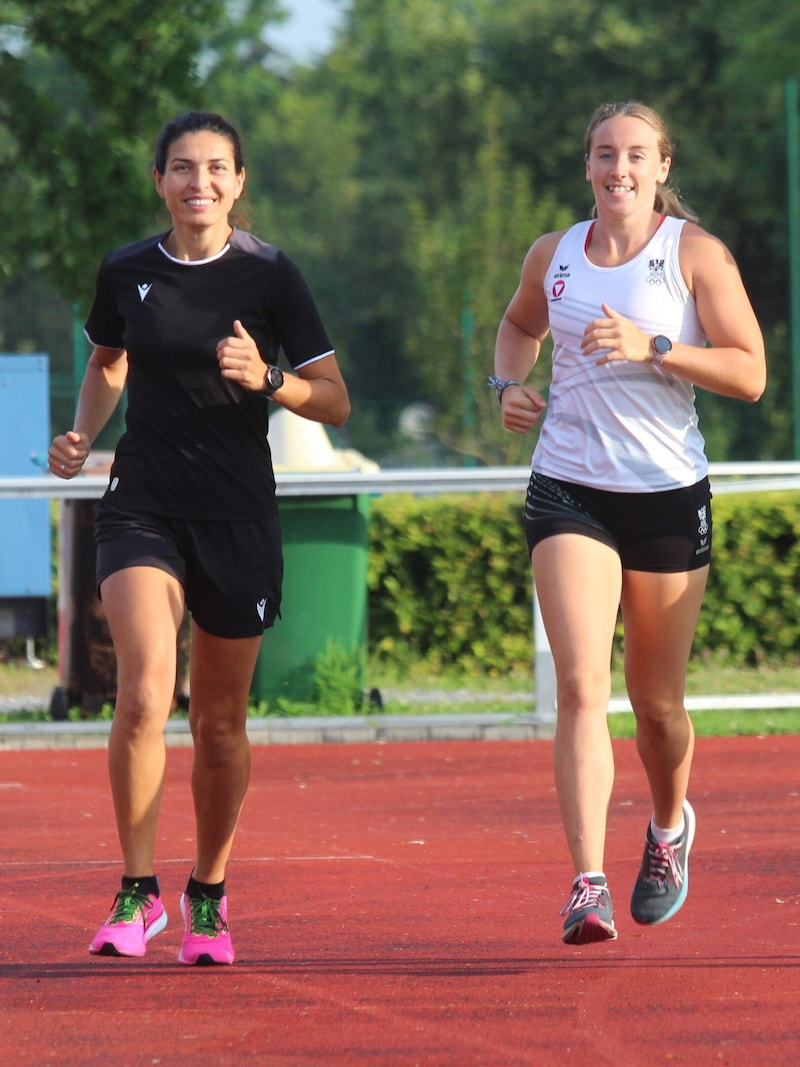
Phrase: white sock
(667, 837)
(588, 875)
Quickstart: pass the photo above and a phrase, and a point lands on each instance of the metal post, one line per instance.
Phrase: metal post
(544, 670)
(468, 372)
(793, 182)
(79, 345)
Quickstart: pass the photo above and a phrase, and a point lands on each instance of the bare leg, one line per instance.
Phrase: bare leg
(221, 673)
(144, 608)
(578, 582)
(660, 613)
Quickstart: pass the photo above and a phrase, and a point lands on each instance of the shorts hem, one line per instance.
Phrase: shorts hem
(234, 634)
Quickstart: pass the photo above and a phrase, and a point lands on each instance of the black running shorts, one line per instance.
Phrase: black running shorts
(667, 531)
(231, 572)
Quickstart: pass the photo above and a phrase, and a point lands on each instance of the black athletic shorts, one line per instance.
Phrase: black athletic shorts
(667, 531)
(231, 572)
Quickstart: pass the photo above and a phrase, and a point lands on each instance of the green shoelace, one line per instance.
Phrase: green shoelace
(205, 916)
(130, 905)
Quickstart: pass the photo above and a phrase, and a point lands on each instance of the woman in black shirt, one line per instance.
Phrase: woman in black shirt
(192, 322)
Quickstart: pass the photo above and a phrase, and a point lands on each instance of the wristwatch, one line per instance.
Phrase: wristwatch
(660, 348)
(273, 380)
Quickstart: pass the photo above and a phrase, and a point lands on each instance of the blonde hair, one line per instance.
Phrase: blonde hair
(667, 201)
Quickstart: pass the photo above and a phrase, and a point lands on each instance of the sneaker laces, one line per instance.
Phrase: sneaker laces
(663, 864)
(129, 905)
(205, 917)
(584, 894)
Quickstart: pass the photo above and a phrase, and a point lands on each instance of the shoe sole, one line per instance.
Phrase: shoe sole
(589, 931)
(203, 960)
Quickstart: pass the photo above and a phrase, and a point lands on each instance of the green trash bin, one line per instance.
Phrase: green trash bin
(324, 595)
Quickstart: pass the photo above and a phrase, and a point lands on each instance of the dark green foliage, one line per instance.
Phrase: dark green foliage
(339, 680)
(97, 81)
(406, 171)
(449, 582)
(751, 609)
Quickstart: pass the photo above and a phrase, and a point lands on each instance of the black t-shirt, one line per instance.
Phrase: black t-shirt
(195, 444)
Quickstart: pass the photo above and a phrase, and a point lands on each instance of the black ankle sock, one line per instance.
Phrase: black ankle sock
(148, 885)
(198, 889)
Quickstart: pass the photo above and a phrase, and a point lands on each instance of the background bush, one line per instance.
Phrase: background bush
(450, 583)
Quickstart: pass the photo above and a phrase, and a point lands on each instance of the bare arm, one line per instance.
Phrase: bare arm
(106, 373)
(523, 327)
(734, 365)
(316, 392)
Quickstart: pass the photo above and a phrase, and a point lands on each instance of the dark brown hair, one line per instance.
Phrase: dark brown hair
(196, 122)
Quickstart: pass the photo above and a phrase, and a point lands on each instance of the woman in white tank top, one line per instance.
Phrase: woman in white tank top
(643, 305)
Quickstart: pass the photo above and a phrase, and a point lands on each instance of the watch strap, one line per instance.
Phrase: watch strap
(500, 385)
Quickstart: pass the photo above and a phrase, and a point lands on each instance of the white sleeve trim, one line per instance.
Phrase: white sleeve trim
(322, 355)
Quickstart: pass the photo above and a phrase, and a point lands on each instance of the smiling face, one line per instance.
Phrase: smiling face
(200, 183)
(624, 165)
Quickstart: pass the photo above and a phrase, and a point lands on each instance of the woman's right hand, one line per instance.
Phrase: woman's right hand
(523, 408)
(68, 453)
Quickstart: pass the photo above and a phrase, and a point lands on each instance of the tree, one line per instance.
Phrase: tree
(469, 254)
(408, 170)
(404, 74)
(716, 71)
(98, 81)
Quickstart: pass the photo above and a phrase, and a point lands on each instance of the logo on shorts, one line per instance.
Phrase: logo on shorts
(261, 607)
(702, 528)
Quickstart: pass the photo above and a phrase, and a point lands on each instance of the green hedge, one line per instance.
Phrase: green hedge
(450, 583)
(750, 614)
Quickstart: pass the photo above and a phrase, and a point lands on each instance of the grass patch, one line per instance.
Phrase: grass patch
(416, 690)
(752, 722)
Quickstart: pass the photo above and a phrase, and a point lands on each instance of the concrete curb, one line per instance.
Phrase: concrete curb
(274, 731)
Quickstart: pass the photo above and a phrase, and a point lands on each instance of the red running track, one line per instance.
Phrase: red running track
(398, 905)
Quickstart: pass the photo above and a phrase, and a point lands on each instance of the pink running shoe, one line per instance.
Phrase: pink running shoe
(134, 919)
(206, 938)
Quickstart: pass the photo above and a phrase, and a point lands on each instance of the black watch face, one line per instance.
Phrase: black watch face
(275, 377)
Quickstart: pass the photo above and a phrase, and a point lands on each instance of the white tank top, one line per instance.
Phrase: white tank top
(624, 426)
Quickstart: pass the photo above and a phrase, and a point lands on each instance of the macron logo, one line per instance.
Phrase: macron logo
(144, 289)
(260, 608)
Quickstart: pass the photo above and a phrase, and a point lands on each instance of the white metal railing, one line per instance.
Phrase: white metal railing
(725, 478)
(323, 483)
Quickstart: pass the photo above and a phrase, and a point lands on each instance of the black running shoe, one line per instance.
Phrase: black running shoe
(589, 913)
(663, 881)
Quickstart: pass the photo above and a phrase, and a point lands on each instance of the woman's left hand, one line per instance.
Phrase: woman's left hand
(239, 359)
(616, 338)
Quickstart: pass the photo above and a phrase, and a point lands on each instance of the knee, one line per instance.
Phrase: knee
(659, 716)
(140, 709)
(583, 692)
(218, 740)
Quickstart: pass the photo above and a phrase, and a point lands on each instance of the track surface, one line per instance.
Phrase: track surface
(398, 905)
